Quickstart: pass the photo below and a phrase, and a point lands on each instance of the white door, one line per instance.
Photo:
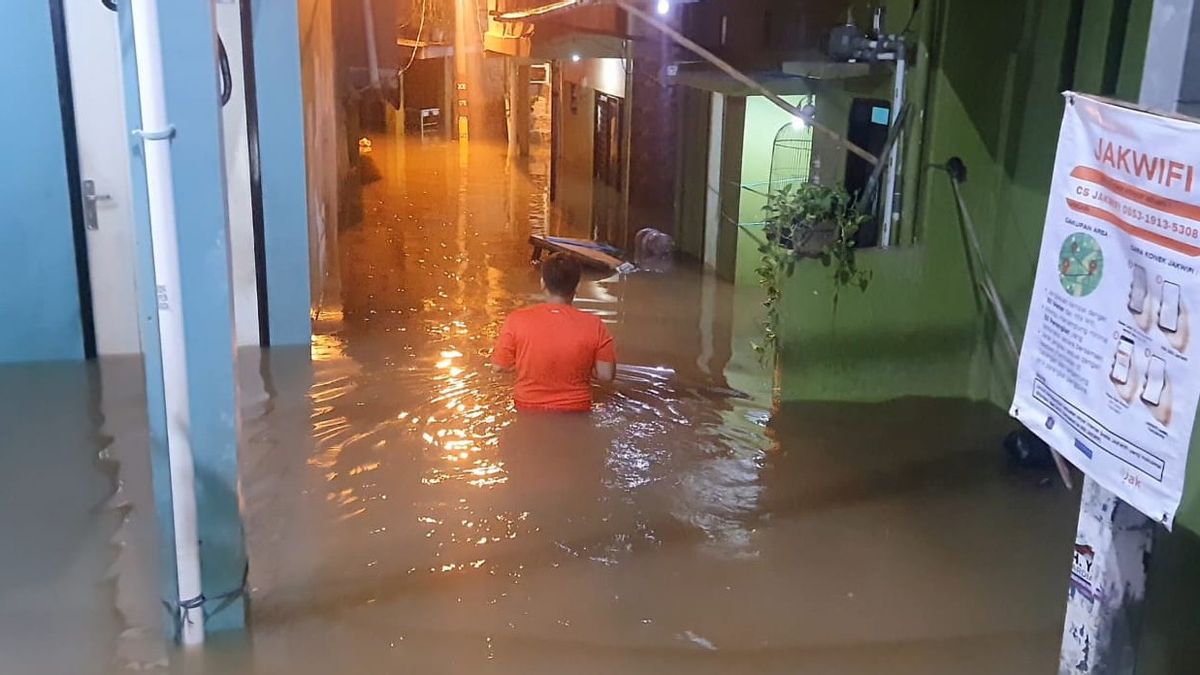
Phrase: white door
(712, 195)
(234, 128)
(103, 142)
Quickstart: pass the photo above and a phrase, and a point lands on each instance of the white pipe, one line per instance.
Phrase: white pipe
(159, 185)
(372, 53)
(890, 202)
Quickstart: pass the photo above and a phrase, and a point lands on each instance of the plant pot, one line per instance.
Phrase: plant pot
(810, 241)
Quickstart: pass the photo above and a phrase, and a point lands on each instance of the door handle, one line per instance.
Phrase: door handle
(90, 220)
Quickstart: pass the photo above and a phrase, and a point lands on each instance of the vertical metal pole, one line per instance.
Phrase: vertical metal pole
(1113, 541)
(1107, 587)
(891, 200)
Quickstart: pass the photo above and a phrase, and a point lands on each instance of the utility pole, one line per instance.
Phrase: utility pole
(1113, 542)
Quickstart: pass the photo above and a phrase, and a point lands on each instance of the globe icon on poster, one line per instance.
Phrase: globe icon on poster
(1080, 264)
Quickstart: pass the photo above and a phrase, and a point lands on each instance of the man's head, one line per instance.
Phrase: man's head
(560, 276)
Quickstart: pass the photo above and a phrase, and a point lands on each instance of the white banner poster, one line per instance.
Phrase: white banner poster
(1108, 373)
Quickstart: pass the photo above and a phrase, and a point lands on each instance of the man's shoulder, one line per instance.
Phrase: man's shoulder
(535, 317)
(523, 317)
(524, 312)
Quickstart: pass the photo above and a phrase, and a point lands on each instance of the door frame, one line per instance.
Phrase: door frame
(66, 106)
(609, 188)
(250, 91)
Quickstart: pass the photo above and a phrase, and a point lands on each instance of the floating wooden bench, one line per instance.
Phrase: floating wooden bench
(586, 251)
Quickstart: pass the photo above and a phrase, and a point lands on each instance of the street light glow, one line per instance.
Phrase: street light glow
(804, 119)
(576, 58)
(664, 7)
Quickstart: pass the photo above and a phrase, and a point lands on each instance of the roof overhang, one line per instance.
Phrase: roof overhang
(426, 49)
(700, 75)
(540, 10)
(509, 39)
(547, 32)
(583, 45)
(831, 70)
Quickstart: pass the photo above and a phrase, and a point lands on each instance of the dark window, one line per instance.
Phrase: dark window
(869, 121)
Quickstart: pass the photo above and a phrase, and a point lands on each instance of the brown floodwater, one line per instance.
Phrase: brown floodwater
(401, 517)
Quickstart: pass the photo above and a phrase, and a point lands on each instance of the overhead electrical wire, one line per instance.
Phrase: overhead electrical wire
(416, 47)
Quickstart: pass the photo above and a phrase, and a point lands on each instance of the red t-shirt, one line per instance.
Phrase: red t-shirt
(554, 349)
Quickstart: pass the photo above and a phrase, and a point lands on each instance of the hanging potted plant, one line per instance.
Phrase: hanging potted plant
(806, 221)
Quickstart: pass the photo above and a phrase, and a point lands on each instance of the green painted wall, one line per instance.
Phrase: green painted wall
(763, 123)
(994, 69)
(916, 331)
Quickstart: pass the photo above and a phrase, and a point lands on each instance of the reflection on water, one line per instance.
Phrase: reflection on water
(402, 517)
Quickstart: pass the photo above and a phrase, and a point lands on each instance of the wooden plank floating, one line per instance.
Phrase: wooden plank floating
(580, 249)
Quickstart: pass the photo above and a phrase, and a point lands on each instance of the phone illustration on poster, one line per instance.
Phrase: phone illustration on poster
(1139, 291)
(1123, 361)
(1156, 381)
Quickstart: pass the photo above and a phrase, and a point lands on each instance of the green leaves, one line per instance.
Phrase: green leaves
(806, 220)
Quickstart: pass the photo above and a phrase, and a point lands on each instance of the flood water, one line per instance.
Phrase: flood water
(401, 517)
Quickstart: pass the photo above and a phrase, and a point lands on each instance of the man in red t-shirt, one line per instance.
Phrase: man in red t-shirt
(554, 349)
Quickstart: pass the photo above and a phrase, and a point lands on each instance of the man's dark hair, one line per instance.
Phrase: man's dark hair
(561, 273)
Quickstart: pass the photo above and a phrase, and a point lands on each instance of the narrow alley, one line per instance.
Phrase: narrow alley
(900, 293)
(401, 515)
(426, 523)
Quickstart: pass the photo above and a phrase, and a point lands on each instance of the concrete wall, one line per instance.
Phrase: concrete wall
(692, 120)
(326, 159)
(654, 136)
(758, 34)
(278, 37)
(603, 75)
(40, 294)
(575, 189)
(920, 329)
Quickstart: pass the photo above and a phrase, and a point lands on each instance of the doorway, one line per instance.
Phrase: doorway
(98, 91)
(608, 160)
